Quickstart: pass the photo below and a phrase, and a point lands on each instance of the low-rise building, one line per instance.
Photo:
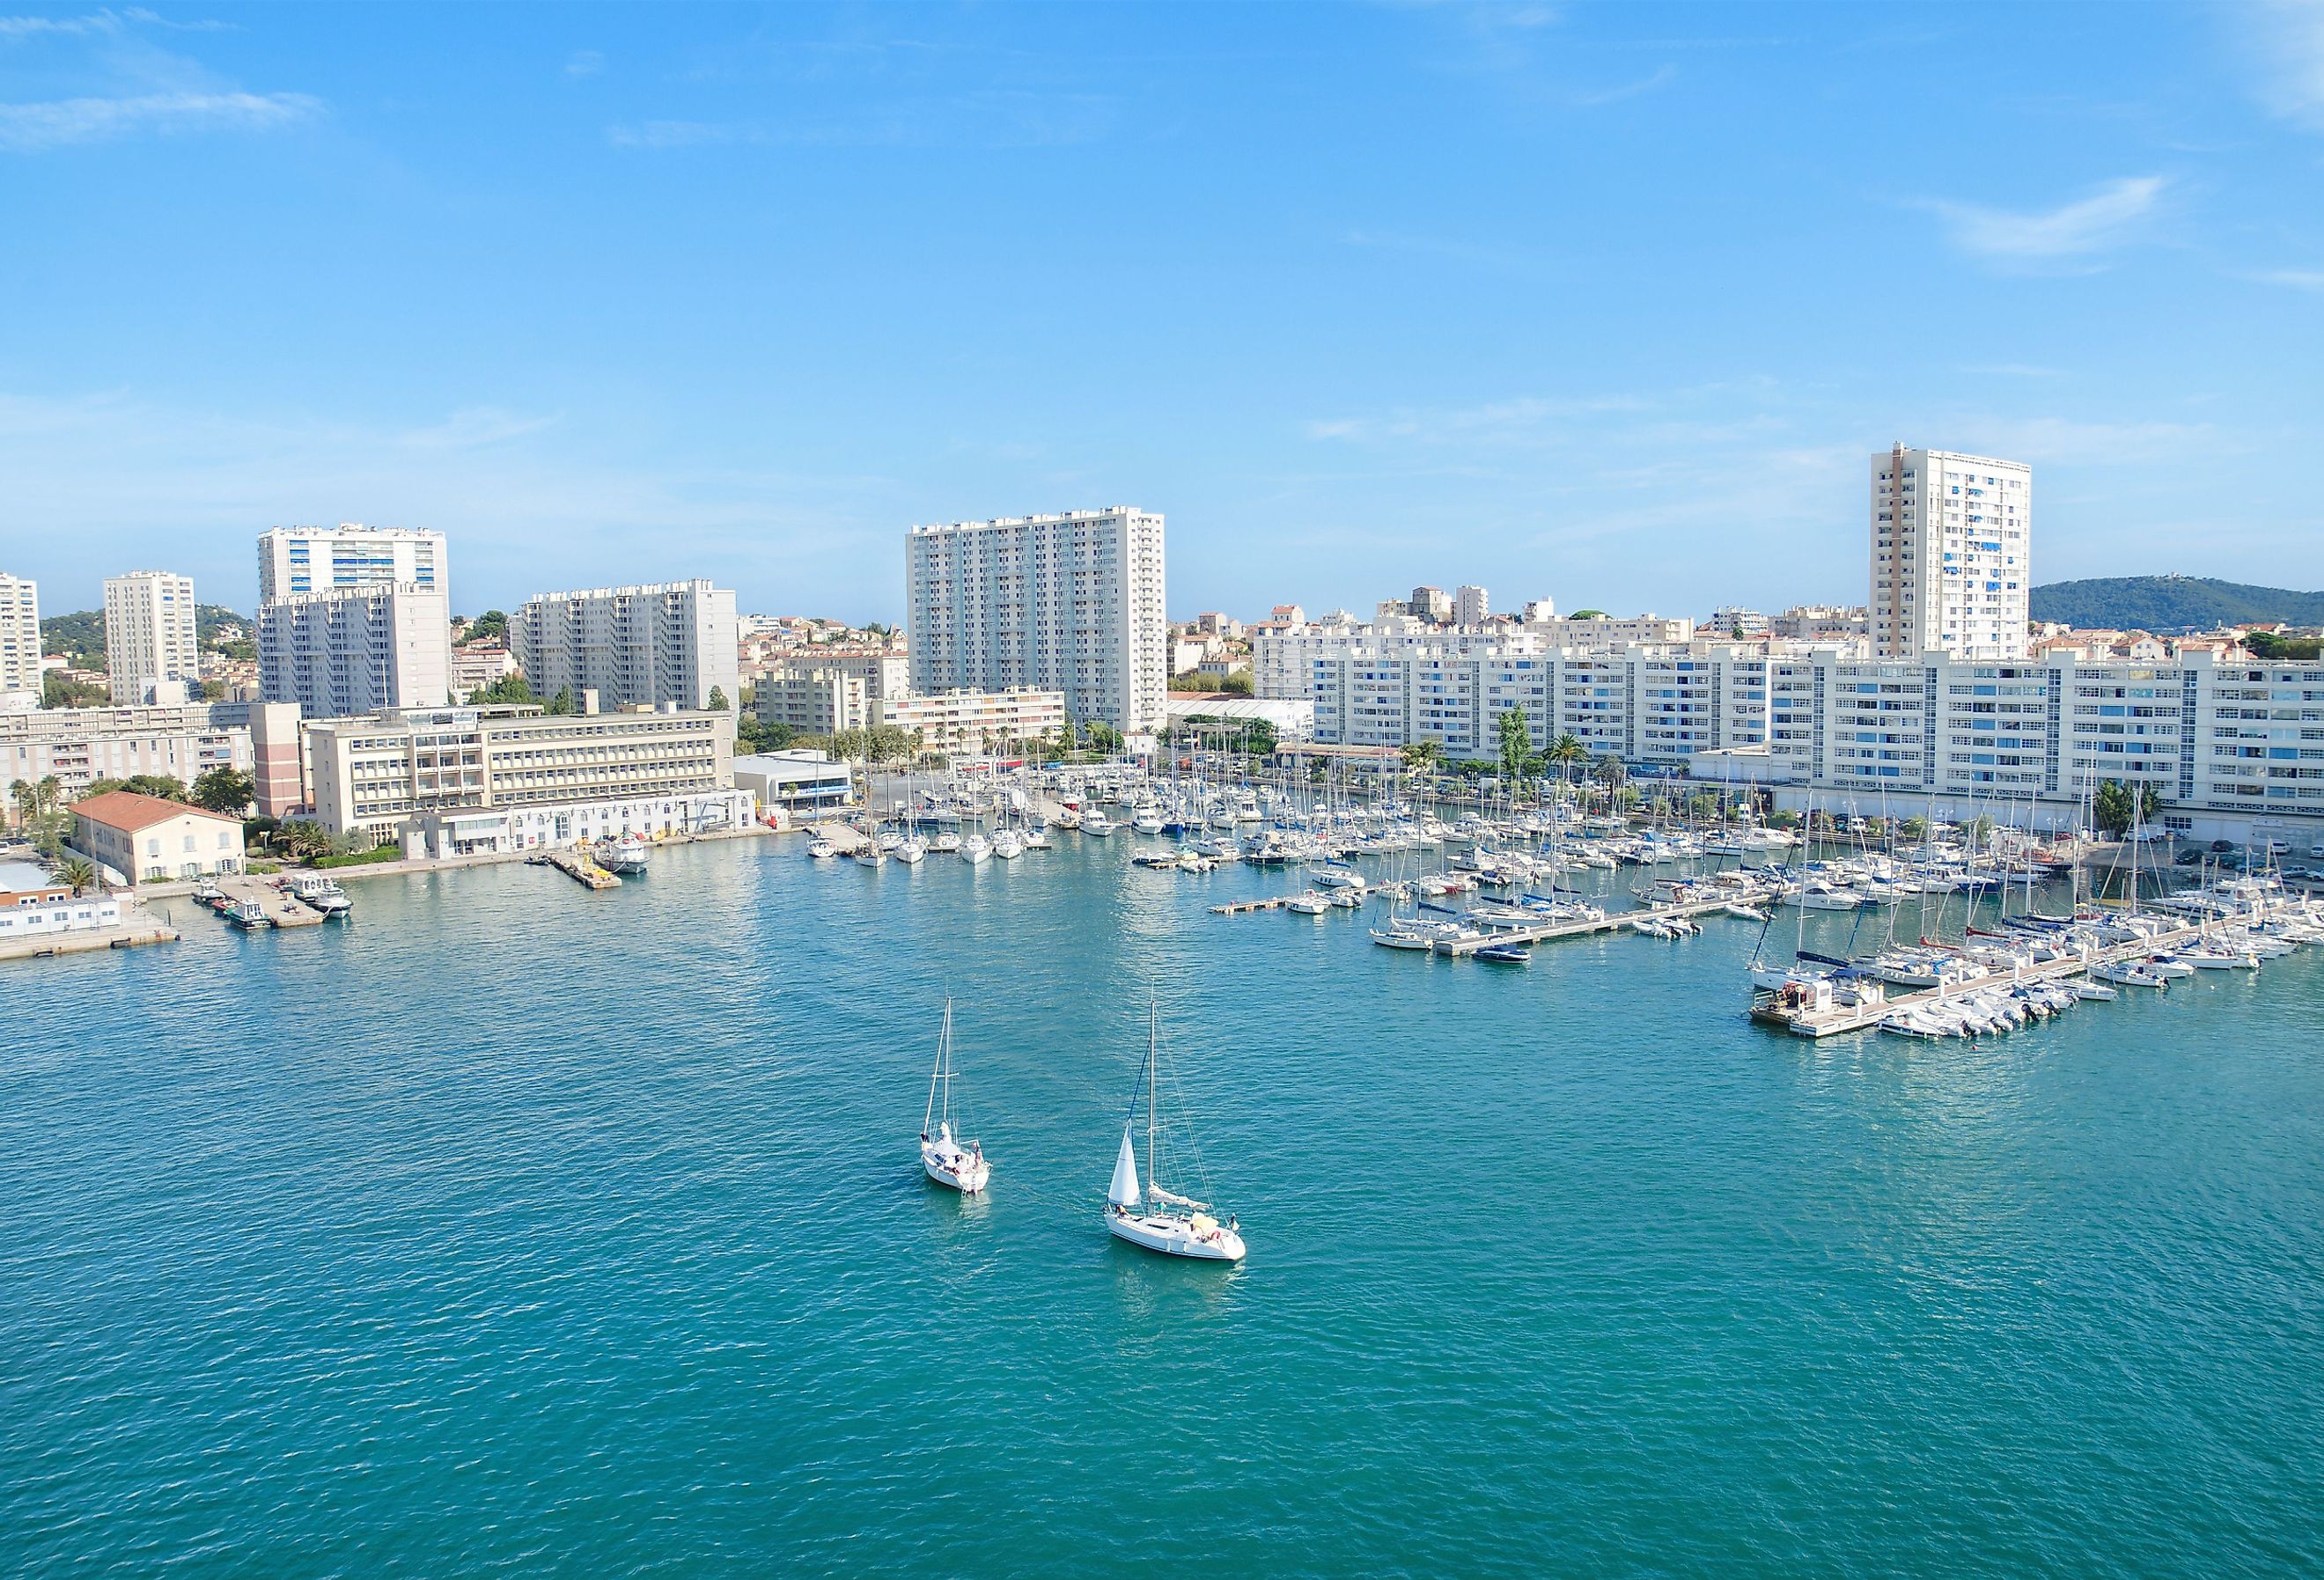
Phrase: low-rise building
(480, 664)
(796, 781)
(977, 721)
(811, 699)
(146, 839)
(33, 905)
(573, 776)
(1292, 718)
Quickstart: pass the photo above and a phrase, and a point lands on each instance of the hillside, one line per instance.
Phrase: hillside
(80, 635)
(2170, 603)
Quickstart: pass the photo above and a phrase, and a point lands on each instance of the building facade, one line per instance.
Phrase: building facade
(1951, 554)
(663, 645)
(1470, 605)
(479, 664)
(20, 643)
(977, 721)
(813, 700)
(146, 839)
(149, 635)
(321, 559)
(347, 652)
(77, 746)
(1071, 603)
(33, 907)
(373, 776)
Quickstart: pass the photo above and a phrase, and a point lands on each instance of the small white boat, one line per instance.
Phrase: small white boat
(1311, 903)
(944, 1160)
(1097, 823)
(945, 842)
(626, 855)
(1036, 838)
(1736, 908)
(1190, 1230)
(975, 849)
(911, 850)
(868, 854)
(821, 850)
(1348, 899)
(1008, 845)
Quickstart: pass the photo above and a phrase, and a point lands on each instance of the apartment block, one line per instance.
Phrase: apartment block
(20, 643)
(813, 700)
(977, 721)
(149, 637)
(80, 745)
(321, 559)
(1070, 602)
(352, 649)
(662, 644)
(1951, 554)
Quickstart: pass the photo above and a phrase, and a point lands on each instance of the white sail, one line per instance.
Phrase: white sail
(1124, 1191)
(1160, 1195)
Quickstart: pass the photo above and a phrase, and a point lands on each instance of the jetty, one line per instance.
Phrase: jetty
(578, 865)
(278, 906)
(1517, 932)
(1246, 907)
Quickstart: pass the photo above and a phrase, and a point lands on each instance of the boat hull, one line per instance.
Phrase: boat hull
(1169, 1236)
(968, 1178)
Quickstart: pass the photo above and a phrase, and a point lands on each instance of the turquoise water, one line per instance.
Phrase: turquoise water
(515, 1229)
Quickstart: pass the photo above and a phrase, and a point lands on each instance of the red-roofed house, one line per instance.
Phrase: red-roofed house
(147, 839)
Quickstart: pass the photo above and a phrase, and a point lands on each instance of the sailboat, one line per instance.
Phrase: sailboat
(946, 1161)
(1189, 1230)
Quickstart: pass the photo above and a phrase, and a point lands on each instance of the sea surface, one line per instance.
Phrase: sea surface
(512, 1229)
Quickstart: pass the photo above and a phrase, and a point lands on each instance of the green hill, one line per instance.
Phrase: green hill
(2170, 603)
(80, 635)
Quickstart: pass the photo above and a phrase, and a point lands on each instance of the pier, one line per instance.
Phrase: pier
(276, 905)
(1572, 927)
(578, 865)
(1246, 907)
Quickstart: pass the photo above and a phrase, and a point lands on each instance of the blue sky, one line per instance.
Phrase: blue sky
(1606, 303)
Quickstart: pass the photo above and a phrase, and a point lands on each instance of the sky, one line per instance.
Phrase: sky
(1607, 304)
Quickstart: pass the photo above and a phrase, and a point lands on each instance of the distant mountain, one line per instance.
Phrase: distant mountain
(2165, 605)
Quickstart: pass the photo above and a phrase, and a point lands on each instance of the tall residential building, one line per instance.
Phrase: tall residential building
(20, 642)
(317, 560)
(1070, 603)
(149, 635)
(351, 651)
(666, 644)
(1951, 554)
(1470, 607)
(1432, 605)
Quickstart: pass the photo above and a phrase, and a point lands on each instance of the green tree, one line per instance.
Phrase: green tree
(1609, 771)
(1237, 684)
(57, 691)
(1587, 614)
(1568, 754)
(1104, 737)
(1517, 744)
(225, 789)
(24, 798)
(2113, 808)
(1423, 757)
(507, 689)
(718, 699)
(563, 704)
(491, 625)
(1916, 829)
(78, 874)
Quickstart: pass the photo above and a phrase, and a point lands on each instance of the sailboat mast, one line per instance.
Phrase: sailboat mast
(1153, 1024)
(944, 1049)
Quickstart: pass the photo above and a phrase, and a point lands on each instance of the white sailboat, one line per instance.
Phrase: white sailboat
(1172, 1224)
(949, 1162)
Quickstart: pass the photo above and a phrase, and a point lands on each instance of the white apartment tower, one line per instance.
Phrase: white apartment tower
(320, 560)
(20, 642)
(669, 644)
(1069, 603)
(1951, 554)
(350, 651)
(1470, 607)
(149, 635)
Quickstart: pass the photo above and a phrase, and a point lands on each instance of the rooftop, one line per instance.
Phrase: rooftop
(129, 811)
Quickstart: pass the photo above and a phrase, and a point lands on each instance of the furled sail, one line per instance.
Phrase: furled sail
(1124, 1192)
(1158, 1193)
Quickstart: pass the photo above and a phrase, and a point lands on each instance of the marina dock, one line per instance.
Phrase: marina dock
(278, 906)
(1246, 907)
(1573, 928)
(1768, 1010)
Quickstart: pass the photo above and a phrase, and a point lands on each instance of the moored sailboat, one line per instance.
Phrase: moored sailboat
(1147, 1214)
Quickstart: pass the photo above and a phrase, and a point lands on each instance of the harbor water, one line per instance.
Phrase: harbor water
(512, 1228)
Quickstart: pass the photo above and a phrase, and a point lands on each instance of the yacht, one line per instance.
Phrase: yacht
(946, 1160)
(1008, 845)
(911, 850)
(946, 842)
(975, 849)
(1146, 1214)
(1310, 903)
(625, 855)
(1096, 823)
(322, 893)
(821, 849)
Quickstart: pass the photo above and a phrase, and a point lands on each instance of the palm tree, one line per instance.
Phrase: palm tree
(78, 874)
(51, 795)
(1567, 754)
(1422, 756)
(20, 791)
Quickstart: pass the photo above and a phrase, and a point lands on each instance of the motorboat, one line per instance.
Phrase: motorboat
(821, 850)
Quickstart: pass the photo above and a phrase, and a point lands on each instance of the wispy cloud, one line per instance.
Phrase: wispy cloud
(1591, 97)
(2111, 216)
(1504, 422)
(999, 118)
(28, 127)
(474, 425)
(585, 63)
(100, 22)
(2297, 279)
(2285, 41)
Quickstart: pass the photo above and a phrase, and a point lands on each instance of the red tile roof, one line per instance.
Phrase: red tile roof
(129, 812)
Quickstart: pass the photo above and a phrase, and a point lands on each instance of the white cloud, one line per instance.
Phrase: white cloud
(25, 127)
(2113, 215)
(25, 27)
(2297, 279)
(2286, 41)
(585, 63)
(474, 425)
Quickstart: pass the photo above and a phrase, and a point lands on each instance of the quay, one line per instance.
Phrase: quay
(1826, 1019)
(1573, 928)
(147, 928)
(578, 865)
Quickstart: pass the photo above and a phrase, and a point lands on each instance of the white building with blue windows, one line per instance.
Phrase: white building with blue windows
(321, 559)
